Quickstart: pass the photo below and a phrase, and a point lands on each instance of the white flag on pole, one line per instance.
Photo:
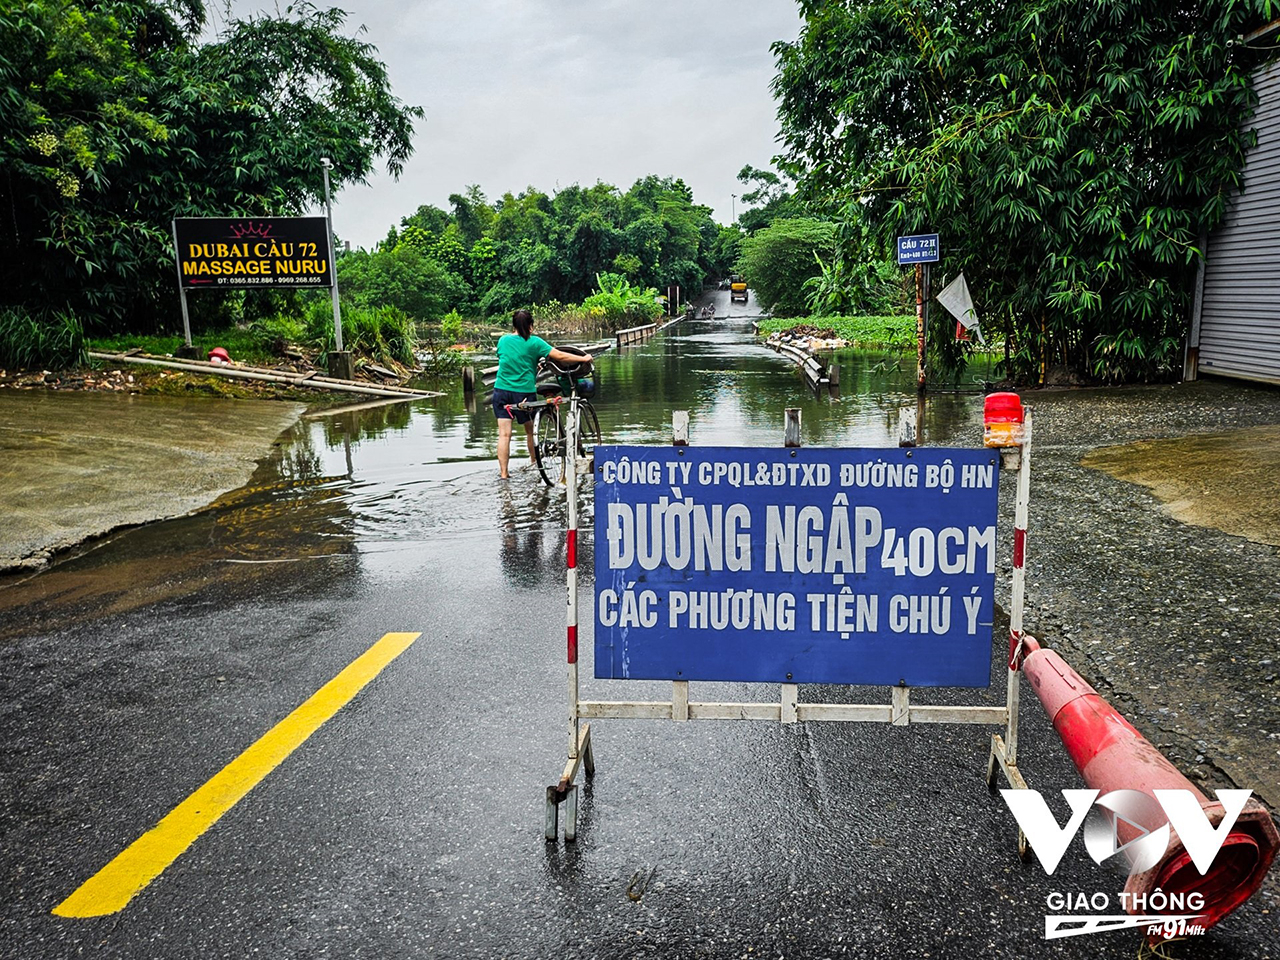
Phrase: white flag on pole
(955, 297)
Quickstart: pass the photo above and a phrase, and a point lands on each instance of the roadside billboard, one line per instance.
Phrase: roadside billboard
(227, 252)
(808, 565)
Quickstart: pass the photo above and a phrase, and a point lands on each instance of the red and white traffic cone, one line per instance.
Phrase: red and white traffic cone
(1111, 755)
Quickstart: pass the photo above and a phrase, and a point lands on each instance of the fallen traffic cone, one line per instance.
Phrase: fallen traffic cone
(1111, 755)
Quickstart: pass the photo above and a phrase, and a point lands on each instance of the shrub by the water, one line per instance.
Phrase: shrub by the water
(897, 331)
(382, 333)
(52, 340)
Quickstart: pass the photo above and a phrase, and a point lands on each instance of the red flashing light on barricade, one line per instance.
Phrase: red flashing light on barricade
(1002, 420)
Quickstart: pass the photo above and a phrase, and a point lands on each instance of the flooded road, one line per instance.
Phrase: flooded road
(410, 825)
(360, 492)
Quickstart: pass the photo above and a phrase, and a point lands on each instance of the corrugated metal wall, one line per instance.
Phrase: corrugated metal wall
(1240, 305)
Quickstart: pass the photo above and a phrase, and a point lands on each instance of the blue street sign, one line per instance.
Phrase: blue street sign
(860, 566)
(922, 248)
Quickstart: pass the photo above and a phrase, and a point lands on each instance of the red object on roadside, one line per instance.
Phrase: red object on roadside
(1002, 419)
(1112, 755)
(961, 332)
(219, 355)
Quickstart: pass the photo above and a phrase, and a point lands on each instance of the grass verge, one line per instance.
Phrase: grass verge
(890, 332)
(245, 346)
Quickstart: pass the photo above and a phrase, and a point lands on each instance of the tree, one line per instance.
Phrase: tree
(724, 251)
(533, 247)
(591, 247)
(484, 264)
(1071, 153)
(778, 260)
(767, 189)
(428, 218)
(404, 278)
(118, 117)
(472, 214)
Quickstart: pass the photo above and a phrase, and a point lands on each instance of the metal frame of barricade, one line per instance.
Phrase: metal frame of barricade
(1003, 755)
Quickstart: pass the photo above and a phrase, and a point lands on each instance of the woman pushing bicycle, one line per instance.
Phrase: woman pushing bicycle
(518, 356)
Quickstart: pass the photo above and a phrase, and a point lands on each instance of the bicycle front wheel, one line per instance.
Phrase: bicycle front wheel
(548, 447)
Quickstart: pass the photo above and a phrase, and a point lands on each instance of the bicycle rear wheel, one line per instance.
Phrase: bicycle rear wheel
(588, 428)
(548, 445)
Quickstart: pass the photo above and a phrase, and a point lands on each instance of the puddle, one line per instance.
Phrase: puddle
(1227, 481)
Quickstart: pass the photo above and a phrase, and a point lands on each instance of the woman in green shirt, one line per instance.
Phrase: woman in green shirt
(518, 356)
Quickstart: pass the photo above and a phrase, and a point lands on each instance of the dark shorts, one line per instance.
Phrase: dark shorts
(503, 397)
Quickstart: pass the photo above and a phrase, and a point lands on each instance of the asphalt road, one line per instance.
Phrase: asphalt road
(410, 824)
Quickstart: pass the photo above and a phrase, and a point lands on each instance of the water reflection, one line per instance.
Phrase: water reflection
(368, 491)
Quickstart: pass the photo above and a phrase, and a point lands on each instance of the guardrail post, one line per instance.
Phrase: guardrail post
(900, 708)
(791, 432)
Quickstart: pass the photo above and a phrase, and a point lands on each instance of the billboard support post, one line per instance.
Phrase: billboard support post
(920, 250)
(339, 358)
(920, 328)
(325, 164)
(188, 349)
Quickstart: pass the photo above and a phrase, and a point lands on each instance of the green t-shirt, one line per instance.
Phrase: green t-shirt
(518, 362)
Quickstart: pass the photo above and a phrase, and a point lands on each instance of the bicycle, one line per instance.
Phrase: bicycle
(566, 402)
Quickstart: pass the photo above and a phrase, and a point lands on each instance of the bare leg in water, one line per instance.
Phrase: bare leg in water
(504, 444)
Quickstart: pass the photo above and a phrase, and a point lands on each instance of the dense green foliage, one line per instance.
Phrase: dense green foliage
(405, 278)
(858, 280)
(892, 331)
(779, 260)
(613, 251)
(383, 334)
(250, 345)
(843, 275)
(51, 339)
(116, 116)
(1070, 152)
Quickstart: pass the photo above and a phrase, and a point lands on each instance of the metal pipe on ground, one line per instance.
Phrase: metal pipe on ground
(318, 383)
(1112, 755)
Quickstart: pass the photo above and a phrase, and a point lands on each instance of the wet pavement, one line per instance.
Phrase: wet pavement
(1175, 621)
(77, 465)
(411, 823)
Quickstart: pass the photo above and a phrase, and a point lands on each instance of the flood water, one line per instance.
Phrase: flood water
(368, 489)
(409, 472)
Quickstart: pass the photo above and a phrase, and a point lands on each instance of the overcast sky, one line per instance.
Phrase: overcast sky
(547, 93)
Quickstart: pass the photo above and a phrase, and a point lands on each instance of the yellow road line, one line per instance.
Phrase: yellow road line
(112, 887)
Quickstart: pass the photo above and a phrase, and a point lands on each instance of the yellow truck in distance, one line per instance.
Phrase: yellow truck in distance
(737, 289)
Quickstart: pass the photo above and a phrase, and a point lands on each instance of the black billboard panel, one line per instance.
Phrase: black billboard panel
(224, 252)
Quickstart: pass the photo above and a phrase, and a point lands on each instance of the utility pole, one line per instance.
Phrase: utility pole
(339, 359)
(733, 205)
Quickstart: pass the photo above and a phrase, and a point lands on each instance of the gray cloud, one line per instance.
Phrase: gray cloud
(552, 92)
